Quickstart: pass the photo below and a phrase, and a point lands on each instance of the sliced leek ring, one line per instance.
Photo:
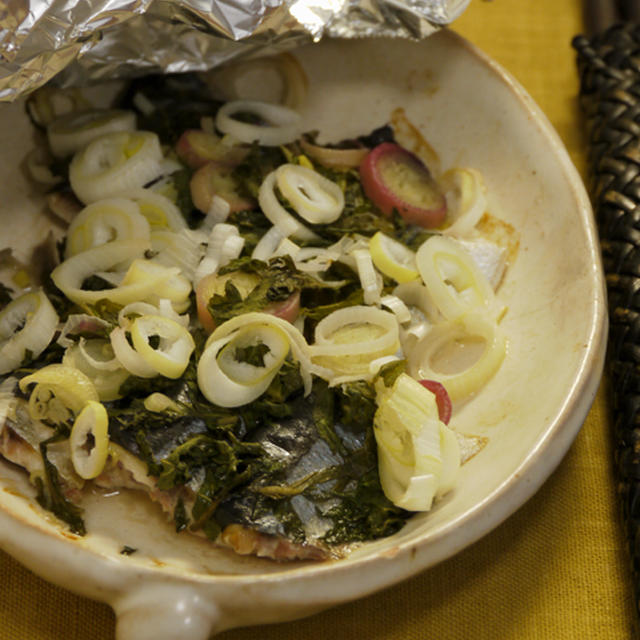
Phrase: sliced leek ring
(163, 308)
(70, 274)
(96, 359)
(60, 392)
(274, 338)
(278, 215)
(268, 244)
(177, 249)
(300, 350)
(451, 336)
(171, 357)
(227, 381)
(89, 440)
(224, 244)
(315, 198)
(466, 200)
(393, 258)
(327, 343)
(114, 164)
(168, 283)
(27, 323)
(128, 357)
(160, 212)
(73, 131)
(370, 280)
(398, 307)
(160, 403)
(417, 457)
(282, 123)
(455, 283)
(347, 341)
(112, 219)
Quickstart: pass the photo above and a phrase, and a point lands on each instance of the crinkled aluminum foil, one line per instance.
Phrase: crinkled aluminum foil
(79, 41)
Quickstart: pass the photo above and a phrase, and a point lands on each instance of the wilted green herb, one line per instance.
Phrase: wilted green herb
(364, 513)
(96, 283)
(252, 354)
(5, 295)
(178, 102)
(251, 172)
(252, 225)
(391, 371)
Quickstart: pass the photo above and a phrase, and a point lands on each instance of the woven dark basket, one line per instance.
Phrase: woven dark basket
(609, 67)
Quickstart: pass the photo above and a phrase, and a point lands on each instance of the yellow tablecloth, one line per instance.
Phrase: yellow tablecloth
(555, 570)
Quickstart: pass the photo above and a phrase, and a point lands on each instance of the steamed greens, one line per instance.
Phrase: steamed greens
(240, 322)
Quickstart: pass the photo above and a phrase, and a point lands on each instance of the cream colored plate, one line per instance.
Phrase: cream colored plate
(475, 115)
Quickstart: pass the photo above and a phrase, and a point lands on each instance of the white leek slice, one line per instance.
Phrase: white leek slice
(415, 294)
(393, 258)
(315, 198)
(70, 274)
(218, 211)
(89, 440)
(268, 244)
(300, 350)
(177, 249)
(348, 340)
(160, 212)
(413, 447)
(453, 279)
(171, 357)
(224, 244)
(96, 359)
(114, 164)
(105, 221)
(128, 357)
(273, 338)
(27, 323)
(466, 200)
(398, 307)
(462, 354)
(229, 382)
(278, 215)
(327, 343)
(370, 281)
(60, 392)
(314, 259)
(75, 130)
(38, 164)
(164, 308)
(281, 123)
(286, 248)
(159, 403)
(170, 284)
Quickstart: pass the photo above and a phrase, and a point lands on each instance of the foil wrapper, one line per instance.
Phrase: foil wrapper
(76, 42)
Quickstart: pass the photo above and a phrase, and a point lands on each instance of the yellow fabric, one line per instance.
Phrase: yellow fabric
(555, 570)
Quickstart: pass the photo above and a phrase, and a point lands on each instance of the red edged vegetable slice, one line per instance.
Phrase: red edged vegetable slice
(215, 179)
(245, 282)
(442, 399)
(196, 147)
(395, 178)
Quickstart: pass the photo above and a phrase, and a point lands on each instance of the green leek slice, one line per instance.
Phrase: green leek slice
(418, 458)
(89, 440)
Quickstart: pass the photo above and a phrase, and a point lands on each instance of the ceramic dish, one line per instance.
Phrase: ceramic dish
(475, 115)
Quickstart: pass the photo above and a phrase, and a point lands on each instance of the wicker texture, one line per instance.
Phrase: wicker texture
(609, 67)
